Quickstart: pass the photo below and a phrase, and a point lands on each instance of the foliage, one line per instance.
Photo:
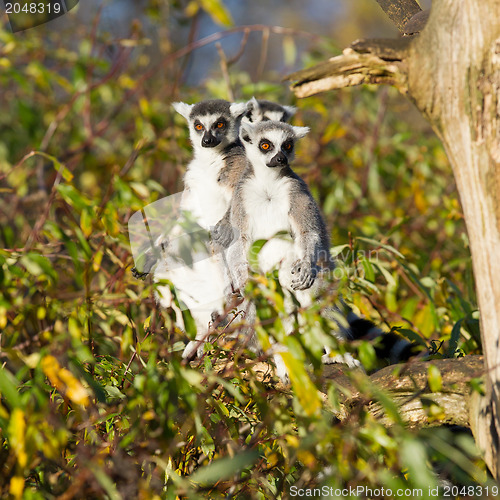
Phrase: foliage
(96, 401)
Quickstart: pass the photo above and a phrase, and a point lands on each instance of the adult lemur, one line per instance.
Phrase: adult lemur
(270, 198)
(219, 160)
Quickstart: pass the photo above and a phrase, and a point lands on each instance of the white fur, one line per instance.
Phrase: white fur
(237, 108)
(200, 287)
(203, 286)
(183, 109)
(203, 196)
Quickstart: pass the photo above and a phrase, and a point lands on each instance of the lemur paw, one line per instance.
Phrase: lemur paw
(222, 234)
(304, 275)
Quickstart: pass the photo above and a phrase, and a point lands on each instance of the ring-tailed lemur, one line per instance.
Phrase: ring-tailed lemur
(211, 176)
(271, 198)
(233, 155)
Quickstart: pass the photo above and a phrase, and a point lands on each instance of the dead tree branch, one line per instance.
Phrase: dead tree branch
(366, 61)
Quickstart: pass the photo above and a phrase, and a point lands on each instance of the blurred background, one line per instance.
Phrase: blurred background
(88, 136)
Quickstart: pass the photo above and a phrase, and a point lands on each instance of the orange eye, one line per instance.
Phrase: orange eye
(198, 126)
(265, 146)
(220, 124)
(287, 146)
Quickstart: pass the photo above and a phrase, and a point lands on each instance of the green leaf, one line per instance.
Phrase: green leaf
(367, 355)
(105, 481)
(376, 243)
(253, 253)
(290, 55)
(8, 388)
(113, 392)
(411, 335)
(434, 378)
(224, 468)
(66, 174)
(454, 338)
(414, 457)
(369, 272)
(73, 197)
(387, 275)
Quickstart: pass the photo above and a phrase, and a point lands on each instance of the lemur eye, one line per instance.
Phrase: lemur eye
(220, 124)
(198, 126)
(265, 146)
(287, 146)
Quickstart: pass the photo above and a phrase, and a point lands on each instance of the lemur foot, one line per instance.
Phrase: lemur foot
(193, 350)
(345, 359)
(304, 275)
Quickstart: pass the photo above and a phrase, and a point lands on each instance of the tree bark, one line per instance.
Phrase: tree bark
(451, 71)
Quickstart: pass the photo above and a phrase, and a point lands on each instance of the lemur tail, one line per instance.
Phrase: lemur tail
(389, 346)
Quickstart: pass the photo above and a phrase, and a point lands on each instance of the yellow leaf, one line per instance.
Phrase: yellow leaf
(17, 430)
(434, 378)
(96, 264)
(192, 8)
(3, 317)
(420, 199)
(307, 458)
(149, 415)
(305, 390)
(217, 12)
(17, 487)
(86, 223)
(64, 381)
(74, 389)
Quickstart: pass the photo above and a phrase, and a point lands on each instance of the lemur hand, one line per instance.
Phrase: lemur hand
(222, 234)
(138, 275)
(304, 274)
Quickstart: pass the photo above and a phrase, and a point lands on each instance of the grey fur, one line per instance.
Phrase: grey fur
(304, 214)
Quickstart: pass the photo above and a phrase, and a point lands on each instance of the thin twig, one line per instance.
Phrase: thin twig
(243, 44)
(225, 72)
(263, 53)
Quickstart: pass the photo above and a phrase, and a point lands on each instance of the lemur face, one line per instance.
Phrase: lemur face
(271, 143)
(212, 124)
(261, 111)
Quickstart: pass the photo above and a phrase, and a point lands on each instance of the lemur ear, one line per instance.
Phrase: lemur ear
(237, 109)
(289, 112)
(246, 132)
(183, 109)
(253, 104)
(300, 132)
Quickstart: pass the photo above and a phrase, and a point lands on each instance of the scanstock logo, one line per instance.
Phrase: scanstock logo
(26, 14)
